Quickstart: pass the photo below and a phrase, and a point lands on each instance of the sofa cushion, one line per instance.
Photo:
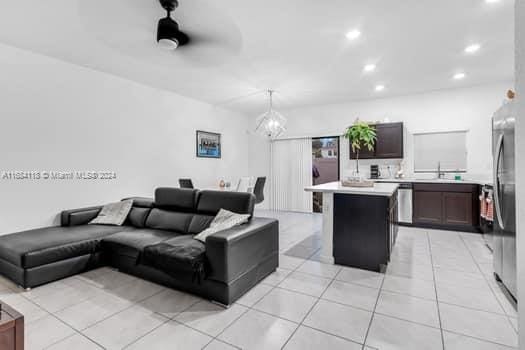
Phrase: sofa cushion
(210, 202)
(176, 199)
(161, 219)
(80, 216)
(83, 217)
(182, 253)
(49, 244)
(137, 217)
(199, 223)
(133, 242)
(141, 202)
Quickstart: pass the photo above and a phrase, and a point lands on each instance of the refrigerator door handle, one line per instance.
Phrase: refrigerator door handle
(499, 148)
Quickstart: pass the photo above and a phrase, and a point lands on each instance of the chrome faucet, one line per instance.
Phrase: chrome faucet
(441, 174)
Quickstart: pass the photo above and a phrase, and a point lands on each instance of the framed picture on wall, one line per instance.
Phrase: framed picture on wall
(208, 144)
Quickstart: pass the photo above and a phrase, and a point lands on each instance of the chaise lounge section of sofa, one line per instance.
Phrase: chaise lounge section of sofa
(155, 243)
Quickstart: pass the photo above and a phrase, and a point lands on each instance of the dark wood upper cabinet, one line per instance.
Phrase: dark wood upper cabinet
(389, 140)
(364, 153)
(389, 143)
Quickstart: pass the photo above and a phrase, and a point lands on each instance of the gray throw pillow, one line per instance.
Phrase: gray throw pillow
(224, 220)
(113, 213)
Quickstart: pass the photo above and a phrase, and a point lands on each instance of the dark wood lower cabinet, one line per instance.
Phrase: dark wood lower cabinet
(446, 206)
(457, 208)
(428, 207)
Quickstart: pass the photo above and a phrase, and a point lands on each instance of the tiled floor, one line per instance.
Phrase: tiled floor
(438, 293)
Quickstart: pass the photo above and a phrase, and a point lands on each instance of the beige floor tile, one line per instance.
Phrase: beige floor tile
(286, 304)
(305, 283)
(210, 318)
(478, 324)
(341, 320)
(306, 338)
(125, 327)
(172, 336)
(408, 308)
(257, 330)
(387, 333)
(352, 294)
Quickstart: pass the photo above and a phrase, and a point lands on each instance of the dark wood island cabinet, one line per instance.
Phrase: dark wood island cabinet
(360, 224)
(365, 230)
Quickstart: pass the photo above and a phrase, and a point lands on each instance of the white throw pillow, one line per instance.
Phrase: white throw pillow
(113, 213)
(224, 220)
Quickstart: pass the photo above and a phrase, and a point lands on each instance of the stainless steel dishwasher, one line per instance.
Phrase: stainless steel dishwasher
(405, 203)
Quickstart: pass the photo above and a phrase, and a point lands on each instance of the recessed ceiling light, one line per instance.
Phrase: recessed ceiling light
(369, 68)
(353, 34)
(491, 1)
(380, 87)
(472, 48)
(459, 76)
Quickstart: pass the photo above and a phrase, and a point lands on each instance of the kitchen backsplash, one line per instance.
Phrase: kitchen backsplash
(387, 167)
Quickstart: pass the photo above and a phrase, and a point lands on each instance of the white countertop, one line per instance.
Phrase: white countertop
(379, 189)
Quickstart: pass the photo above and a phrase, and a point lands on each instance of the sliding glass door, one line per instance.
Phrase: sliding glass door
(325, 165)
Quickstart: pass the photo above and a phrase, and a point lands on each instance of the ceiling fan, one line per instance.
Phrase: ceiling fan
(208, 36)
(169, 36)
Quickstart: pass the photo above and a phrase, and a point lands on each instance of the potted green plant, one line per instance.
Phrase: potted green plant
(360, 134)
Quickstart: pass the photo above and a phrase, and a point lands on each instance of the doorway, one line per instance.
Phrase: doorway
(325, 165)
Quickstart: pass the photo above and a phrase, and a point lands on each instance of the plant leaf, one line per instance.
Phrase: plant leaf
(361, 134)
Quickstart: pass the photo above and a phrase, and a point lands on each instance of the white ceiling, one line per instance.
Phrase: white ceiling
(297, 47)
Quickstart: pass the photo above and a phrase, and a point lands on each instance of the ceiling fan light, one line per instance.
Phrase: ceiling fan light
(168, 44)
(168, 34)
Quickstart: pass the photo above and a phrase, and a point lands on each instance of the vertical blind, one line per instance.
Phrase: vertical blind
(291, 172)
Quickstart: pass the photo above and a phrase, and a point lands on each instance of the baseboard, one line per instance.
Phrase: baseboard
(471, 229)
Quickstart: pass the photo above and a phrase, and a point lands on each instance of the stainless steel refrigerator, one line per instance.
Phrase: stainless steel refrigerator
(504, 239)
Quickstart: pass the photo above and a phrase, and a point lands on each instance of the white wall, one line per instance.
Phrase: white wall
(469, 108)
(520, 162)
(58, 116)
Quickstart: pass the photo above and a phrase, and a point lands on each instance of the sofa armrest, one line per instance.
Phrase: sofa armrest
(232, 252)
(81, 216)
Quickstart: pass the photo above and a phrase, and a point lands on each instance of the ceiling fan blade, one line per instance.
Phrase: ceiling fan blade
(203, 50)
(130, 26)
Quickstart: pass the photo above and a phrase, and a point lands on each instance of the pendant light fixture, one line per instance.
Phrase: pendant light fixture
(271, 124)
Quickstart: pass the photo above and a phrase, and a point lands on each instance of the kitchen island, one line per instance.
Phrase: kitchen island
(359, 224)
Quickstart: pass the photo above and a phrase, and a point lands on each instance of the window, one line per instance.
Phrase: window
(447, 150)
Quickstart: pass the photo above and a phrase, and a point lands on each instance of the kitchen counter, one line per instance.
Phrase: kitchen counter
(380, 189)
(359, 224)
(444, 181)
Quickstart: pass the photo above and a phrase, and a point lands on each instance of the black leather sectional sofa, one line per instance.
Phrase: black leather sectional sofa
(155, 243)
